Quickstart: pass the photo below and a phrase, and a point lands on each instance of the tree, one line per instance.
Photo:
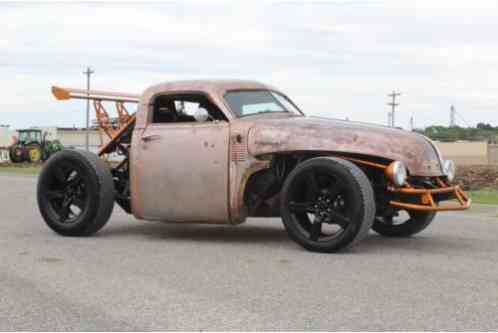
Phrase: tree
(484, 126)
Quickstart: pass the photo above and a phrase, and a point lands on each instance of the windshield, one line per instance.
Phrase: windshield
(249, 102)
(28, 136)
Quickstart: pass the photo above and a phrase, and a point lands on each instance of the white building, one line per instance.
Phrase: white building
(6, 134)
(74, 137)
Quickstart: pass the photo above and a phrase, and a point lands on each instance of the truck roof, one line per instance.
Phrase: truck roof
(217, 86)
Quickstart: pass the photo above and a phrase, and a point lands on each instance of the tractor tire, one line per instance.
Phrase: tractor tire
(75, 193)
(16, 154)
(34, 153)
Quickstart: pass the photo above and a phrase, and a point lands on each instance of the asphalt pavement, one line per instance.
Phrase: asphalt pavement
(136, 275)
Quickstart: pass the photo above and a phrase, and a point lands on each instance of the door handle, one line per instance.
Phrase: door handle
(148, 138)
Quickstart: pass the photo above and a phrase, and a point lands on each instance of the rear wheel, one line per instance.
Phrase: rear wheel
(327, 204)
(75, 193)
(405, 224)
(16, 154)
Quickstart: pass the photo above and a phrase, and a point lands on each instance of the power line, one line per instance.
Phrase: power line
(88, 73)
(393, 105)
(461, 117)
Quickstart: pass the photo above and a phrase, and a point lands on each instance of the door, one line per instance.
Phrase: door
(181, 172)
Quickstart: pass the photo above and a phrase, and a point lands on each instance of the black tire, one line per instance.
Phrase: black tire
(415, 223)
(75, 193)
(327, 191)
(16, 154)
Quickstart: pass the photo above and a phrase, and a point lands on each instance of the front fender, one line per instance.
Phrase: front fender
(414, 150)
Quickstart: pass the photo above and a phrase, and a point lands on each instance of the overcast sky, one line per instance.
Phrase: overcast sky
(335, 59)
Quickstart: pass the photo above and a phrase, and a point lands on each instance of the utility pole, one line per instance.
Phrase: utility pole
(389, 119)
(393, 105)
(88, 73)
(412, 126)
(452, 116)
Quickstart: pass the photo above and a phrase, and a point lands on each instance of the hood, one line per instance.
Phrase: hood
(269, 135)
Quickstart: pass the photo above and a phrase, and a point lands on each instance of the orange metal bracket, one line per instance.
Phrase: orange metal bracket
(103, 119)
(372, 164)
(108, 146)
(123, 115)
(106, 126)
(426, 198)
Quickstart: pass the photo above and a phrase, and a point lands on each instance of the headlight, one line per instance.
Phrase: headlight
(396, 172)
(449, 169)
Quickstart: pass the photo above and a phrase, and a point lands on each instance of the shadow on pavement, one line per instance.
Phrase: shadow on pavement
(274, 233)
(200, 232)
(423, 243)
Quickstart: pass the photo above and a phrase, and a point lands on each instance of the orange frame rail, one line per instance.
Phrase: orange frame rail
(427, 202)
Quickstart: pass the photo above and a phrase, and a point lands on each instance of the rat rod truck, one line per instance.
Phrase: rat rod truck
(219, 151)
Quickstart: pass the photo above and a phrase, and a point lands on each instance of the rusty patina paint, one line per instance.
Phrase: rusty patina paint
(197, 172)
(309, 134)
(247, 139)
(167, 181)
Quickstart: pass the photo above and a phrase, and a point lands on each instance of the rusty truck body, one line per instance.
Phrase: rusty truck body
(220, 151)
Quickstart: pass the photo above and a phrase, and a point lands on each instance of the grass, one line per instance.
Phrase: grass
(489, 197)
(23, 169)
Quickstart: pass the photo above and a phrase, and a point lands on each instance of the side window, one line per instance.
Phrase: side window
(182, 108)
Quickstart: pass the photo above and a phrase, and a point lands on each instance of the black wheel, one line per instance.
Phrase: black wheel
(327, 204)
(75, 193)
(16, 154)
(405, 224)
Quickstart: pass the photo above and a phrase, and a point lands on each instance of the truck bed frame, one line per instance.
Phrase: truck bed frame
(118, 132)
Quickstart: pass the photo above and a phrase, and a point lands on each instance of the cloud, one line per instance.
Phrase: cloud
(336, 59)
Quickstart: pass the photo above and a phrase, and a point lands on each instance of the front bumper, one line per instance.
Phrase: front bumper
(423, 199)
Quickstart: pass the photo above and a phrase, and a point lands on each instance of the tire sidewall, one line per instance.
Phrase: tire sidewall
(14, 156)
(417, 222)
(349, 235)
(93, 184)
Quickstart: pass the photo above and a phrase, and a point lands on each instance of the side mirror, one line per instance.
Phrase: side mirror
(201, 115)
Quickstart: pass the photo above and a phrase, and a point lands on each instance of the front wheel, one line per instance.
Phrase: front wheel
(405, 224)
(327, 204)
(75, 193)
(34, 153)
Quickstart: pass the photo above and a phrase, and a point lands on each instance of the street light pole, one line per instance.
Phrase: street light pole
(88, 72)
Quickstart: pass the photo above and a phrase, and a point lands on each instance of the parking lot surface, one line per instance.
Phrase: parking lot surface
(136, 275)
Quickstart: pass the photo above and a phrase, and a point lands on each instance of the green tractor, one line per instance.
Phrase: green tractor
(32, 146)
